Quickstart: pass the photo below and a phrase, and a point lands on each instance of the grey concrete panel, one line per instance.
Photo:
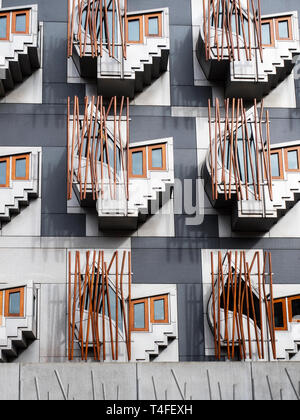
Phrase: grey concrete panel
(55, 53)
(54, 180)
(57, 93)
(285, 264)
(182, 129)
(181, 56)
(63, 225)
(54, 10)
(9, 381)
(185, 164)
(276, 381)
(197, 381)
(111, 381)
(191, 96)
(190, 321)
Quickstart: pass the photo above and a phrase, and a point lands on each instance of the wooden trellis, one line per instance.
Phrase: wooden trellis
(90, 288)
(226, 160)
(222, 37)
(233, 293)
(87, 140)
(85, 30)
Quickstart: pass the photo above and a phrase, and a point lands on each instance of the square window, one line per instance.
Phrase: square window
(153, 25)
(137, 163)
(159, 309)
(139, 315)
(294, 309)
(20, 167)
(267, 33)
(20, 22)
(135, 29)
(277, 165)
(292, 159)
(157, 157)
(284, 29)
(14, 302)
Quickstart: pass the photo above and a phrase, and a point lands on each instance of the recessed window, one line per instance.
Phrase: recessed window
(140, 314)
(284, 28)
(4, 26)
(159, 309)
(4, 172)
(137, 163)
(20, 167)
(293, 160)
(267, 32)
(294, 309)
(157, 157)
(153, 25)
(135, 29)
(20, 22)
(14, 302)
(275, 165)
(280, 316)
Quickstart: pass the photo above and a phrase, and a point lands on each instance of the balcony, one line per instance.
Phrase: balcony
(20, 45)
(253, 59)
(108, 173)
(124, 54)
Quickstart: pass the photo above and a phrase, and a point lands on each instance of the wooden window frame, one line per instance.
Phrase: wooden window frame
(286, 160)
(13, 25)
(7, 15)
(14, 159)
(272, 34)
(280, 161)
(7, 160)
(140, 18)
(6, 304)
(1, 306)
(284, 310)
(164, 160)
(134, 150)
(282, 19)
(159, 17)
(290, 300)
(165, 298)
(146, 303)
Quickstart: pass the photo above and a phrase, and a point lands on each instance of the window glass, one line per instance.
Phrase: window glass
(20, 23)
(266, 34)
(3, 166)
(153, 28)
(14, 303)
(275, 165)
(296, 310)
(3, 27)
(139, 315)
(293, 159)
(157, 158)
(134, 30)
(159, 310)
(137, 163)
(20, 168)
(283, 29)
(278, 315)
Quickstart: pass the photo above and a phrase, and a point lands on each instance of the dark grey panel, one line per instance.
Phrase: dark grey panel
(54, 180)
(190, 321)
(182, 129)
(63, 225)
(180, 10)
(166, 266)
(181, 56)
(152, 111)
(207, 229)
(49, 10)
(55, 53)
(191, 95)
(286, 265)
(185, 164)
(57, 93)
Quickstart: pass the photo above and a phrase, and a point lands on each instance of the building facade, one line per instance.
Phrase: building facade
(149, 188)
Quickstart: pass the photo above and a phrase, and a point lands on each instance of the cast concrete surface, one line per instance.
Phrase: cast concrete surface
(143, 381)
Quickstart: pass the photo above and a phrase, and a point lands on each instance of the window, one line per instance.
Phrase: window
(135, 29)
(137, 163)
(292, 159)
(276, 165)
(294, 309)
(1, 306)
(20, 22)
(4, 26)
(267, 31)
(159, 312)
(4, 172)
(280, 314)
(14, 302)
(140, 315)
(153, 26)
(20, 167)
(284, 28)
(157, 157)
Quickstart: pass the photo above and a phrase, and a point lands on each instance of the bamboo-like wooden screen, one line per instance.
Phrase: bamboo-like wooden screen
(88, 146)
(239, 153)
(220, 18)
(97, 24)
(90, 311)
(232, 279)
